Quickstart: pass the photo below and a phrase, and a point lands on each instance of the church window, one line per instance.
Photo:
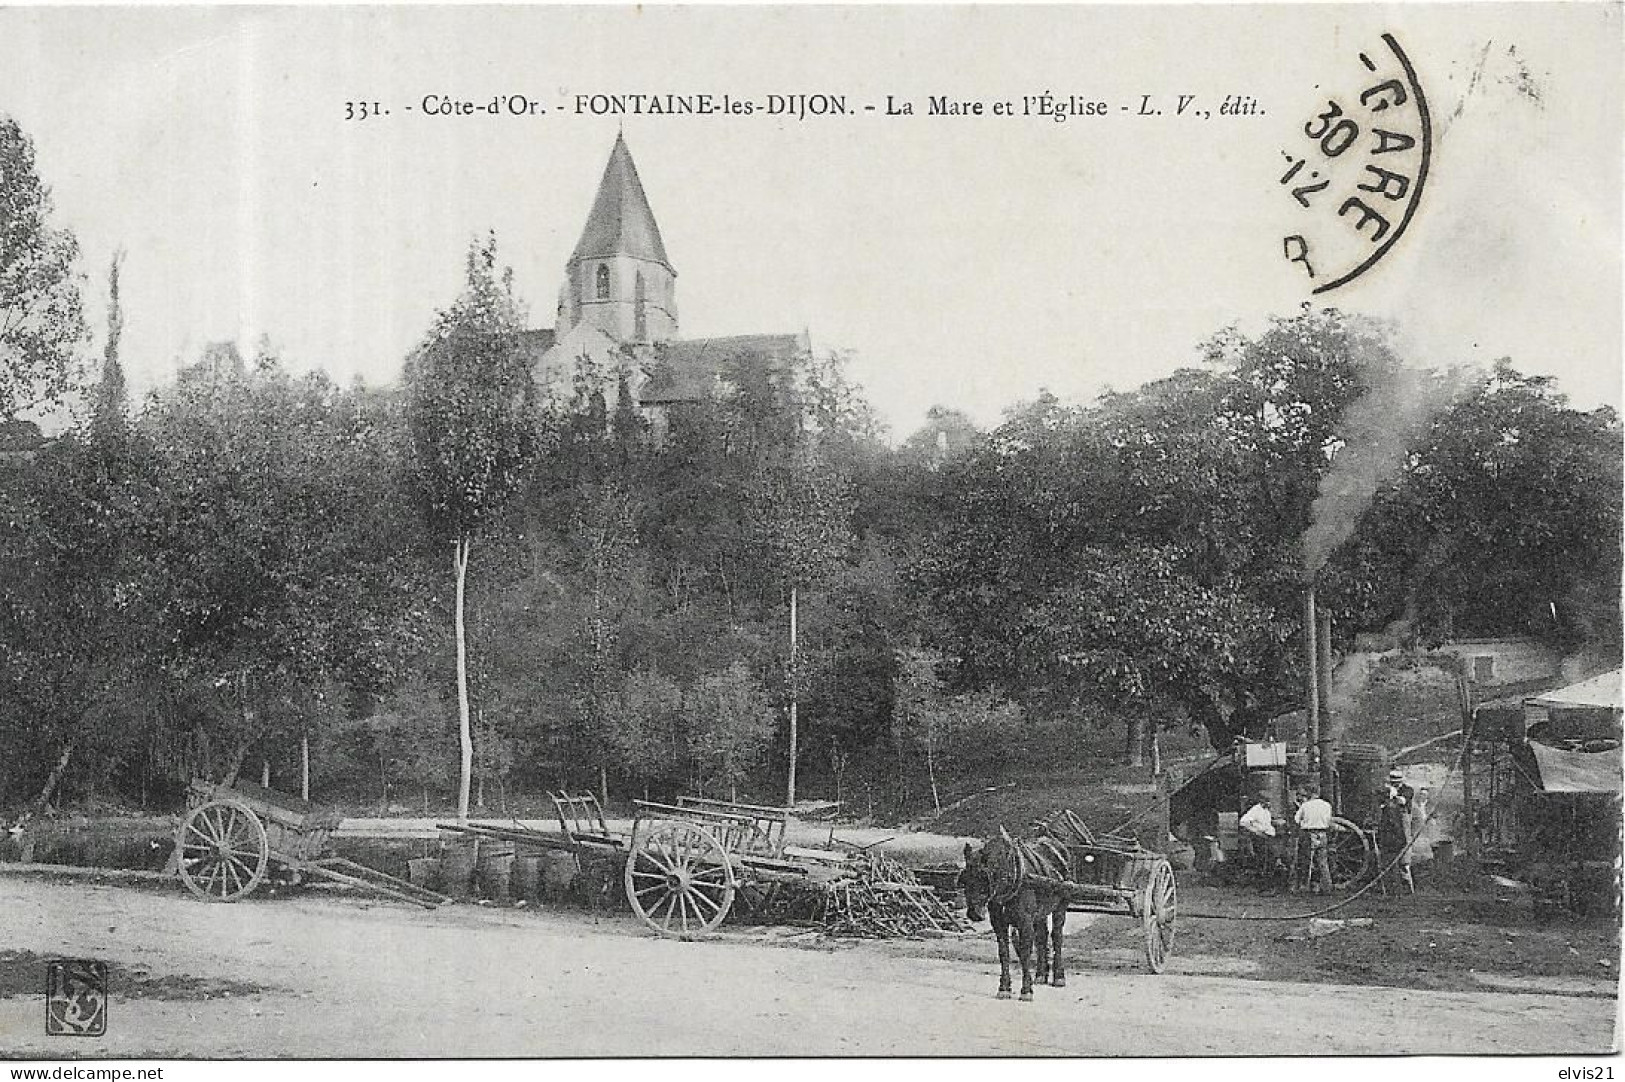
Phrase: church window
(603, 281)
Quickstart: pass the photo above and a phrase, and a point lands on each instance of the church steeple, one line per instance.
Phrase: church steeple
(618, 278)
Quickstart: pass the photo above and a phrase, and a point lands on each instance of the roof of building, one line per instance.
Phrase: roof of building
(621, 222)
(1600, 691)
(687, 370)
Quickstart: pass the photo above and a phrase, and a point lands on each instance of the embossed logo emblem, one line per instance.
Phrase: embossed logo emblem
(75, 998)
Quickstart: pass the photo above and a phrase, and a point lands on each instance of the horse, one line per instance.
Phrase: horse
(999, 877)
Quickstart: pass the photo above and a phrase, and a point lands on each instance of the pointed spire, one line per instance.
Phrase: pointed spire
(621, 222)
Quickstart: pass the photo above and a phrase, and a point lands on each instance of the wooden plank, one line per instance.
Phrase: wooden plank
(735, 806)
(374, 881)
(538, 838)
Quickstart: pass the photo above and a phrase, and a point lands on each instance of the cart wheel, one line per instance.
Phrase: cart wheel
(223, 850)
(1159, 901)
(679, 880)
(1348, 852)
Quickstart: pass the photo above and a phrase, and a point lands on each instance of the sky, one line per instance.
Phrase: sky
(964, 261)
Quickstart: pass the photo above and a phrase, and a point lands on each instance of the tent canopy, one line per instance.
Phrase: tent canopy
(1577, 771)
(1600, 692)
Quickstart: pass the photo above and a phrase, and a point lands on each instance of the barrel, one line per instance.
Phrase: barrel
(457, 866)
(558, 873)
(527, 879)
(495, 870)
(424, 872)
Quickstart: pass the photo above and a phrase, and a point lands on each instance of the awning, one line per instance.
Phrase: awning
(1600, 692)
(1577, 771)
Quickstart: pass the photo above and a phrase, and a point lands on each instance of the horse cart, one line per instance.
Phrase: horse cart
(1032, 883)
(1116, 876)
(234, 838)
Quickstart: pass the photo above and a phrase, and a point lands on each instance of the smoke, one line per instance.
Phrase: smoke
(1377, 432)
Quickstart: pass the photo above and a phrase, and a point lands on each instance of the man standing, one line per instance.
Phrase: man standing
(1394, 837)
(1314, 819)
(1258, 826)
(1407, 795)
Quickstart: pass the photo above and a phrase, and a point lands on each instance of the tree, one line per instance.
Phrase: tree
(733, 724)
(473, 423)
(279, 554)
(408, 738)
(1503, 520)
(108, 418)
(927, 719)
(646, 728)
(42, 323)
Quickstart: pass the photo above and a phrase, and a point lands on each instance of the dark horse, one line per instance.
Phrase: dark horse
(1004, 877)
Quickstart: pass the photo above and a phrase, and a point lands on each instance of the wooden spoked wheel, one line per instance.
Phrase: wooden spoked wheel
(1348, 853)
(223, 850)
(1159, 902)
(679, 879)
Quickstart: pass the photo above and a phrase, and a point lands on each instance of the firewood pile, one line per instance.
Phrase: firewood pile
(878, 898)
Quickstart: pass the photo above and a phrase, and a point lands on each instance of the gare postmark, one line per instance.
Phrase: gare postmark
(1355, 170)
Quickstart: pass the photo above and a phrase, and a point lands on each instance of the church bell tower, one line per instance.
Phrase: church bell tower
(618, 279)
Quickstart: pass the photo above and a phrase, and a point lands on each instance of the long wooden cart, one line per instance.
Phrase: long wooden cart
(235, 837)
(1116, 876)
(685, 864)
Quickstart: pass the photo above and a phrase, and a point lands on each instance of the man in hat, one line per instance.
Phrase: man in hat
(1396, 783)
(1394, 834)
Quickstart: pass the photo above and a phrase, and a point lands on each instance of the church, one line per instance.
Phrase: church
(617, 311)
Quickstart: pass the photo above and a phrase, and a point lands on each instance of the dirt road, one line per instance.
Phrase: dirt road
(314, 976)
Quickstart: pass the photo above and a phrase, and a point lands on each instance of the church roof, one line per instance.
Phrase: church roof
(621, 222)
(688, 369)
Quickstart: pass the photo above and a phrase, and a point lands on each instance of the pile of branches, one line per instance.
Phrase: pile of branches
(878, 898)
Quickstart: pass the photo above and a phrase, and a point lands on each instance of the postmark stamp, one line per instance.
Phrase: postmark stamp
(75, 998)
(1356, 169)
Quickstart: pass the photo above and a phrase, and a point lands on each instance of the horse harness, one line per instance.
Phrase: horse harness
(1043, 859)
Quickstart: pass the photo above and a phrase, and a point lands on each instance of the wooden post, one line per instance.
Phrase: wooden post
(465, 738)
(265, 773)
(304, 766)
(795, 694)
(1465, 696)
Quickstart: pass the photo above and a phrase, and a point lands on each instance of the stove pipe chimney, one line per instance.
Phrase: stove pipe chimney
(1311, 736)
(1323, 639)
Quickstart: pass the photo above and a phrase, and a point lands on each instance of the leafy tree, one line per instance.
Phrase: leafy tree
(647, 728)
(733, 724)
(108, 419)
(41, 320)
(929, 721)
(280, 556)
(73, 616)
(473, 423)
(1503, 520)
(408, 738)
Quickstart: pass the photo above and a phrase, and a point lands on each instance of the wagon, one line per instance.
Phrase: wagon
(686, 865)
(234, 838)
(687, 862)
(1116, 876)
